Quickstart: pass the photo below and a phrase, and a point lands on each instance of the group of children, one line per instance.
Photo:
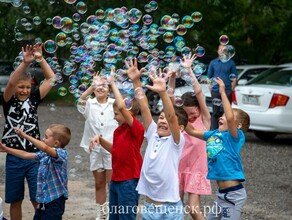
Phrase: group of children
(182, 155)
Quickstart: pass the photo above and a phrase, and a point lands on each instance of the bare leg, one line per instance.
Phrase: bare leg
(195, 205)
(15, 211)
(100, 186)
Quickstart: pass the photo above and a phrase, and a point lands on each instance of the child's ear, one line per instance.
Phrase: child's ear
(239, 125)
(57, 144)
(182, 127)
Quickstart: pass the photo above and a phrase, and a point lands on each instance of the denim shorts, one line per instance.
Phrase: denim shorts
(17, 170)
(123, 200)
(53, 210)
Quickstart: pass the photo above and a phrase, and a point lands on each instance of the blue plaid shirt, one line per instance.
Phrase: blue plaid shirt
(52, 180)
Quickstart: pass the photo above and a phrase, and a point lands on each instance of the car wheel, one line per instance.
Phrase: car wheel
(265, 136)
(153, 100)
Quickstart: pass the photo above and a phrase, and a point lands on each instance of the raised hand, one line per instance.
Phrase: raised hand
(221, 85)
(133, 72)
(187, 60)
(159, 84)
(28, 54)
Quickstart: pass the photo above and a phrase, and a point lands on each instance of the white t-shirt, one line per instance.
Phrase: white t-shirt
(159, 175)
(99, 120)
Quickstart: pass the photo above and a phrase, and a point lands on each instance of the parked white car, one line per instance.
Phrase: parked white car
(268, 100)
(248, 72)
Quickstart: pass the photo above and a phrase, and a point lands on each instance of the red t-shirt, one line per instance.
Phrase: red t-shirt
(126, 156)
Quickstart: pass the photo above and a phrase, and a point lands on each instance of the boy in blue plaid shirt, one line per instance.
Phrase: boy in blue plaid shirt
(52, 189)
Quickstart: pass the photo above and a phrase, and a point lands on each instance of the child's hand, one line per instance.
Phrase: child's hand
(38, 52)
(93, 143)
(2, 147)
(221, 85)
(28, 55)
(20, 132)
(159, 84)
(111, 78)
(187, 60)
(132, 71)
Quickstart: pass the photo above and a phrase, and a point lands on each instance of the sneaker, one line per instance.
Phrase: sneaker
(102, 211)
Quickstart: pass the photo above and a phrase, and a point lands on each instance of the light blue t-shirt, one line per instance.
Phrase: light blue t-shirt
(223, 150)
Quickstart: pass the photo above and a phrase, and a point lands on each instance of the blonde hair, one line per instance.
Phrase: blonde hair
(61, 133)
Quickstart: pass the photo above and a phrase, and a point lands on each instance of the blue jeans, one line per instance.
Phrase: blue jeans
(166, 211)
(17, 170)
(123, 200)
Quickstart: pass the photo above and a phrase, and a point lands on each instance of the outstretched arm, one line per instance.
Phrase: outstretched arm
(205, 114)
(46, 86)
(91, 88)
(120, 101)
(194, 132)
(103, 142)
(159, 86)
(39, 144)
(232, 127)
(18, 153)
(28, 58)
(134, 74)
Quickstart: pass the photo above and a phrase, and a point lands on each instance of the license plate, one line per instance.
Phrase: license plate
(250, 99)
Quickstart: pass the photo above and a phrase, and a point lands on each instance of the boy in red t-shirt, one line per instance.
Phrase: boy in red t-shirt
(126, 158)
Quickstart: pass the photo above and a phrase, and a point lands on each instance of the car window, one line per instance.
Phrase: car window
(239, 71)
(280, 77)
(250, 74)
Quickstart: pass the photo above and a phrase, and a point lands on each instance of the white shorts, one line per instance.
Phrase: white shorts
(100, 159)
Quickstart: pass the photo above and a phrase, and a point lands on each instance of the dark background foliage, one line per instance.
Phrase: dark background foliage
(259, 30)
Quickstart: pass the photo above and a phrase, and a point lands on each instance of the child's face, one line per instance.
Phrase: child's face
(102, 89)
(192, 112)
(162, 126)
(49, 140)
(23, 89)
(119, 116)
(223, 126)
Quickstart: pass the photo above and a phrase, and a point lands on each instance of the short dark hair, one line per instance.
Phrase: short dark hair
(61, 133)
(190, 99)
(181, 115)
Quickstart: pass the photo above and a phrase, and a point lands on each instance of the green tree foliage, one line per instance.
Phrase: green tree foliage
(259, 30)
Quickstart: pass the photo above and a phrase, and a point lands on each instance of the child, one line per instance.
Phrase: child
(99, 120)
(126, 159)
(193, 166)
(159, 181)
(20, 109)
(224, 161)
(52, 180)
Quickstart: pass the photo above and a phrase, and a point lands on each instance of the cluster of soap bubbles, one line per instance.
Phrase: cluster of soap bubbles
(228, 51)
(106, 38)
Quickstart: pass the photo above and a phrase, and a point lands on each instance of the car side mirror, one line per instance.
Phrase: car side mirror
(241, 82)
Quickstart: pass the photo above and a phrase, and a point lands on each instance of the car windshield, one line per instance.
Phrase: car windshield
(275, 76)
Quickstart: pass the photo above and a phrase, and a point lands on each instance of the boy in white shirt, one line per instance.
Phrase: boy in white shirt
(159, 181)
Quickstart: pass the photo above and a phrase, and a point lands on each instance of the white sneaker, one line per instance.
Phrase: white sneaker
(102, 211)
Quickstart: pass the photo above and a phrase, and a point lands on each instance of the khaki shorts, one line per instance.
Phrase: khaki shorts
(100, 159)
